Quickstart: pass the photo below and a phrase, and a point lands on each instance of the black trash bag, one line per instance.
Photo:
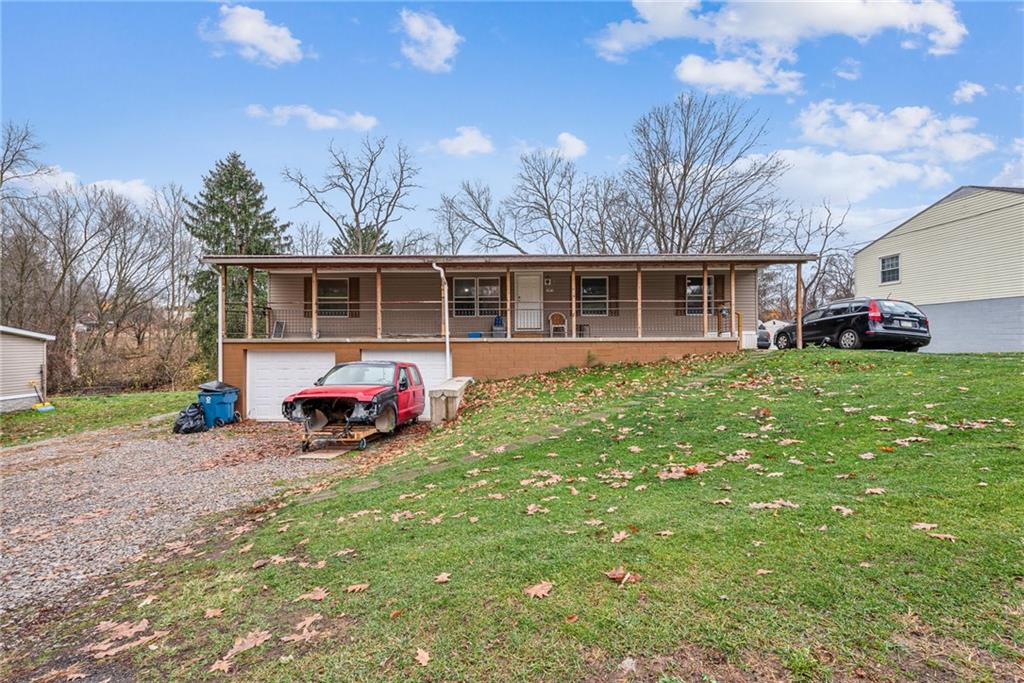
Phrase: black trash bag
(190, 420)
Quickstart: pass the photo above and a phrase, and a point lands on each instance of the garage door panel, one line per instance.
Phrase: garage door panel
(272, 375)
(430, 363)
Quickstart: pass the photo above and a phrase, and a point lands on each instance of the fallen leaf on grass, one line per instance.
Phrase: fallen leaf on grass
(247, 642)
(212, 612)
(866, 456)
(120, 648)
(909, 440)
(317, 594)
(148, 600)
(788, 442)
(844, 511)
(571, 619)
(260, 563)
(874, 492)
(221, 665)
(942, 537)
(540, 590)
(422, 656)
(635, 449)
(357, 588)
(303, 636)
(533, 509)
(620, 536)
(593, 522)
(443, 577)
(308, 621)
(620, 576)
(763, 572)
(395, 613)
(245, 548)
(664, 533)
(722, 501)
(774, 505)
(923, 526)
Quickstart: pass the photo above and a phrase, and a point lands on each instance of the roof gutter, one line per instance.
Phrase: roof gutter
(444, 313)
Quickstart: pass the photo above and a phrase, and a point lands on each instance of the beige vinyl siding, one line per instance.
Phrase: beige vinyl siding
(21, 361)
(969, 247)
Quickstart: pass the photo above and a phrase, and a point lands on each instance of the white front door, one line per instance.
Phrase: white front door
(529, 301)
(430, 363)
(272, 375)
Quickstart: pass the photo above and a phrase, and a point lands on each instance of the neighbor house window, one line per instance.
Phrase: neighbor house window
(890, 268)
(332, 298)
(476, 296)
(695, 294)
(594, 296)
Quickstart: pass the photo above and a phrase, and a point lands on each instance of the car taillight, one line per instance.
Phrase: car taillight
(873, 312)
(926, 322)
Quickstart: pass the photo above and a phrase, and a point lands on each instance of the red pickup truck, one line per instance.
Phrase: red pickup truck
(382, 393)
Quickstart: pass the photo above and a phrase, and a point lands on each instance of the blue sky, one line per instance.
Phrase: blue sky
(888, 107)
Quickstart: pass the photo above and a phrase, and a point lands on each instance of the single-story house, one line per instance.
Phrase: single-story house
(22, 367)
(484, 316)
(961, 261)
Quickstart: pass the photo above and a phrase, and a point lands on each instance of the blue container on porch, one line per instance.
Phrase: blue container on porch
(218, 402)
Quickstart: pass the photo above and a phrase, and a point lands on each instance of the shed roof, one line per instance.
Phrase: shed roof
(361, 260)
(17, 331)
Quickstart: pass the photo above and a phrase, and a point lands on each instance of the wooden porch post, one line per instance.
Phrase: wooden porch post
(379, 319)
(732, 298)
(572, 297)
(313, 331)
(248, 305)
(508, 302)
(222, 304)
(444, 318)
(639, 302)
(799, 306)
(704, 298)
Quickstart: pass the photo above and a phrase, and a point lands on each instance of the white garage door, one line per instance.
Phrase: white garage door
(430, 363)
(272, 375)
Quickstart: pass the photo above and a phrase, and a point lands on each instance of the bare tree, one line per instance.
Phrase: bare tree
(452, 233)
(413, 242)
(371, 194)
(309, 240)
(694, 167)
(816, 231)
(551, 201)
(475, 211)
(616, 227)
(18, 160)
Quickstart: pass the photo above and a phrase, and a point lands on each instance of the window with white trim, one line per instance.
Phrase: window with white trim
(890, 268)
(695, 294)
(332, 298)
(473, 296)
(594, 295)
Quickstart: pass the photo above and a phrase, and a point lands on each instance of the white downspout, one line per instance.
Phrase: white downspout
(220, 327)
(447, 331)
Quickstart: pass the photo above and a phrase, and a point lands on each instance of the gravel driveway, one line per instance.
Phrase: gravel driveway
(76, 508)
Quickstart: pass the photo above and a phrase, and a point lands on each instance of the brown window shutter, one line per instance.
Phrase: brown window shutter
(613, 295)
(353, 297)
(681, 294)
(307, 297)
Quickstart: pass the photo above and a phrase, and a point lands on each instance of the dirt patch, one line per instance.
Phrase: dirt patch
(692, 663)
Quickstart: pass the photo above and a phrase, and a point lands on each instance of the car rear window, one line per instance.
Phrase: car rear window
(898, 308)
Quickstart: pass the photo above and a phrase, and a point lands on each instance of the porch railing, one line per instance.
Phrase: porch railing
(403, 319)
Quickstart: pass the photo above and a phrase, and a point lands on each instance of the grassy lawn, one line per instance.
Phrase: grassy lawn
(779, 538)
(83, 413)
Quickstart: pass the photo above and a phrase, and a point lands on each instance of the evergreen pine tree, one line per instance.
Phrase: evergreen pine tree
(230, 216)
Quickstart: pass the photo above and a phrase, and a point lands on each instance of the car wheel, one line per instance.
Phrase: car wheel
(782, 341)
(849, 339)
(386, 421)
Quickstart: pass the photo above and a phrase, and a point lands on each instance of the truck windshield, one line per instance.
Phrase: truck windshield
(358, 373)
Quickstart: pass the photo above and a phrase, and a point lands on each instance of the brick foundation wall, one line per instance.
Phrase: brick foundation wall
(491, 359)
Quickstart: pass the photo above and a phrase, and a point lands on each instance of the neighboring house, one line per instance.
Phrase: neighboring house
(478, 315)
(961, 261)
(22, 366)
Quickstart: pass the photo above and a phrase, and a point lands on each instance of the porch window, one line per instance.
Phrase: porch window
(476, 296)
(890, 268)
(332, 298)
(695, 294)
(594, 295)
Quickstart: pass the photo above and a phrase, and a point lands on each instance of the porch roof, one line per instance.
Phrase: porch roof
(485, 260)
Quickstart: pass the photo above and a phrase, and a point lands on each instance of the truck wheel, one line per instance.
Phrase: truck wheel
(782, 341)
(849, 339)
(386, 421)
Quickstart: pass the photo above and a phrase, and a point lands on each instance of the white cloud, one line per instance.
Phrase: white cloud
(866, 223)
(253, 36)
(1012, 173)
(914, 132)
(135, 189)
(967, 91)
(737, 75)
(281, 114)
(570, 147)
(469, 140)
(776, 28)
(843, 177)
(430, 45)
(848, 69)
